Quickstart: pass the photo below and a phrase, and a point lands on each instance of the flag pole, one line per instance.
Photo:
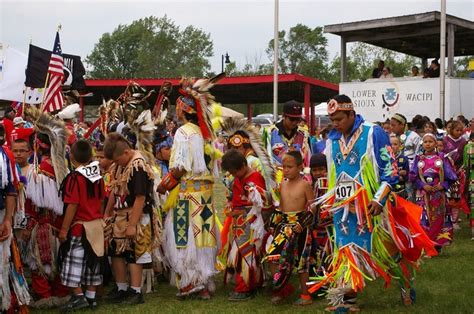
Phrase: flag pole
(442, 60)
(47, 78)
(23, 103)
(275, 63)
(44, 91)
(24, 92)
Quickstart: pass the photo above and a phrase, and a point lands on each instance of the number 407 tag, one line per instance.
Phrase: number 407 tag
(345, 190)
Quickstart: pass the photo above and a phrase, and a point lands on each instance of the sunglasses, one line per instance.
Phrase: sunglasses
(293, 119)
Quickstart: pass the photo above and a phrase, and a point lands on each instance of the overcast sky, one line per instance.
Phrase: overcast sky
(241, 28)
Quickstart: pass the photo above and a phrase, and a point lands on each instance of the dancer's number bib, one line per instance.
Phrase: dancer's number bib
(91, 171)
(345, 190)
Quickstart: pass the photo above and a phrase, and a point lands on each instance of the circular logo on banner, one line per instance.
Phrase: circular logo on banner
(390, 98)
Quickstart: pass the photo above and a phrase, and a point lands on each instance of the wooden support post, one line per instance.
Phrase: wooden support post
(343, 60)
(307, 101)
(249, 112)
(451, 50)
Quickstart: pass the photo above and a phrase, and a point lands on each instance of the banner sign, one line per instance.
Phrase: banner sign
(378, 100)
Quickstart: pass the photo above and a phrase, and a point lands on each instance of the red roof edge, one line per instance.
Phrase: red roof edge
(316, 82)
(231, 80)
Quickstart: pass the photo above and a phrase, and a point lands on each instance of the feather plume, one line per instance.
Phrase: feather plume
(232, 125)
(69, 112)
(57, 134)
(144, 129)
(160, 109)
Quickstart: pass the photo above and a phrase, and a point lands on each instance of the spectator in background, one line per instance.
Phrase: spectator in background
(470, 130)
(386, 127)
(386, 73)
(7, 121)
(417, 124)
(320, 146)
(303, 125)
(430, 127)
(19, 131)
(377, 72)
(439, 123)
(410, 144)
(434, 68)
(415, 71)
(463, 120)
(171, 126)
(219, 144)
(426, 73)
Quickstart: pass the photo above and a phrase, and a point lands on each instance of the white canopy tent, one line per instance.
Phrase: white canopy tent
(228, 113)
(321, 109)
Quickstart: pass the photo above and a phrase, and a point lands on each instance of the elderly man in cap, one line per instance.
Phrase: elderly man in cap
(366, 217)
(286, 135)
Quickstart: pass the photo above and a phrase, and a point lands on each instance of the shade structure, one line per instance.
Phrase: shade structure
(229, 113)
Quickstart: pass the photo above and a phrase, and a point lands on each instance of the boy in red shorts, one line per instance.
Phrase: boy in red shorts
(247, 229)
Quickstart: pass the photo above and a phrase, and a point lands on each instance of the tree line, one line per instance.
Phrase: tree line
(155, 47)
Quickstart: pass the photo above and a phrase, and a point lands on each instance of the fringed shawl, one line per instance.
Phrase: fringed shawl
(121, 176)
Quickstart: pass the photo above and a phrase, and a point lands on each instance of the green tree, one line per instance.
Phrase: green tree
(151, 47)
(302, 50)
(461, 66)
(334, 69)
(248, 69)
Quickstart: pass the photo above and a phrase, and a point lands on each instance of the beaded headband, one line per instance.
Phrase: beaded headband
(334, 106)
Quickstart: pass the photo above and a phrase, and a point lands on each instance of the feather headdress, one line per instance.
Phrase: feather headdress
(135, 95)
(144, 128)
(57, 134)
(140, 125)
(197, 99)
(231, 125)
(114, 113)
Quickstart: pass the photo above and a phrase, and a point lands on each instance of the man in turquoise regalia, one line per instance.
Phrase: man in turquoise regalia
(374, 234)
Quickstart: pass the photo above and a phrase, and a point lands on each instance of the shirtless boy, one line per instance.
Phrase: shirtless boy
(292, 244)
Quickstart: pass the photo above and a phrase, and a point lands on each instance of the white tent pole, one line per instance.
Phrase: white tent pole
(275, 64)
(442, 57)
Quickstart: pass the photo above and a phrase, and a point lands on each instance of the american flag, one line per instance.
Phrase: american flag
(54, 98)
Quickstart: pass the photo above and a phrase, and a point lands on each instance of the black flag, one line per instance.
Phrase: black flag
(37, 68)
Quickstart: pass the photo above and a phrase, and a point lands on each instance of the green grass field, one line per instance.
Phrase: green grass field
(444, 284)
